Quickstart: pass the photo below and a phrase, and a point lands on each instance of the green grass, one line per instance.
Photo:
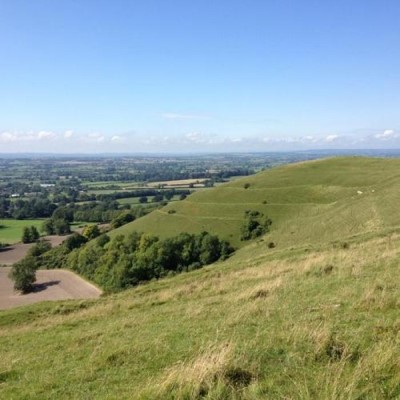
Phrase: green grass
(308, 202)
(262, 325)
(11, 229)
(313, 318)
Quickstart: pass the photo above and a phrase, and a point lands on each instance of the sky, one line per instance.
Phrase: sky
(198, 76)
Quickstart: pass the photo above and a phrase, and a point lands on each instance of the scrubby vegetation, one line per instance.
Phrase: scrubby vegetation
(126, 261)
(30, 234)
(254, 225)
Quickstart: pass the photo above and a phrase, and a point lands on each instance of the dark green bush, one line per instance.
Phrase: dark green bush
(23, 274)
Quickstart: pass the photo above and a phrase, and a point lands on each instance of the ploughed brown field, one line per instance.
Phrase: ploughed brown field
(55, 284)
(18, 251)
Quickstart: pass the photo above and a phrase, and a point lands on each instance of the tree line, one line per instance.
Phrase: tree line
(101, 207)
(125, 260)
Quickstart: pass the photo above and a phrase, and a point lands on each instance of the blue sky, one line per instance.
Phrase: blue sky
(175, 76)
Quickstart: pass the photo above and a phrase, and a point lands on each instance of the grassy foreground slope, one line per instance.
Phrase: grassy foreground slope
(284, 325)
(309, 202)
(294, 322)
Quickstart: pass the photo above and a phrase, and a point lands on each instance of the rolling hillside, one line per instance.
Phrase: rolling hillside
(309, 203)
(294, 322)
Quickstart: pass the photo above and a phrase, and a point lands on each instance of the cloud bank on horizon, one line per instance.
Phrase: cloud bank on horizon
(45, 141)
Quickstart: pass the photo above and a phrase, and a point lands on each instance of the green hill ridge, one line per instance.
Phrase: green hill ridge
(309, 202)
(317, 317)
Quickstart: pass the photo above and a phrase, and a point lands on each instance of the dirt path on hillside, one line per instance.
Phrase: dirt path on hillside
(17, 252)
(55, 284)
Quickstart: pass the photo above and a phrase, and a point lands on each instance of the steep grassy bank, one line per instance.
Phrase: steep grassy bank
(309, 202)
(285, 324)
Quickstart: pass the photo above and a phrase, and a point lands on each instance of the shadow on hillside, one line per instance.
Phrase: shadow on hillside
(39, 287)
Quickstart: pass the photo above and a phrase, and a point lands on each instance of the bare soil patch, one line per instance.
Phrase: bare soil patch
(18, 251)
(54, 284)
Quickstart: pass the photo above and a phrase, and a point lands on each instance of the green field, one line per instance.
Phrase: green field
(317, 317)
(11, 229)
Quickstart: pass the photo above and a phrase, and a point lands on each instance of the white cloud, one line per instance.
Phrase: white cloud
(46, 135)
(94, 137)
(331, 138)
(68, 134)
(8, 137)
(117, 139)
(386, 134)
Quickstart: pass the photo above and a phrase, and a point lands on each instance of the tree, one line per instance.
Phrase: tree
(102, 240)
(30, 234)
(61, 227)
(122, 219)
(63, 213)
(56, 226)
(26, 235)
(74, 241)
(35, 235)
(48, 226)
(41, 247)
(157, 198)
(23, 274)
(254, 225)
(91, 232)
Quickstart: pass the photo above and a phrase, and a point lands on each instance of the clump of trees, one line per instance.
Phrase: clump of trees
(255, 224)
(91, 232)
(122, 219)
(30, 234)
(126, 261)
(56, 226)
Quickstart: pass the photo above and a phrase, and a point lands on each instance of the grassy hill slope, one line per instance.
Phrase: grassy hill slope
(309, 202)
(294, 322)
(284, 325)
